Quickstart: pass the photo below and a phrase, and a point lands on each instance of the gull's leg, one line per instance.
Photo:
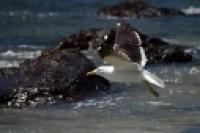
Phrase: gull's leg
(149, 86)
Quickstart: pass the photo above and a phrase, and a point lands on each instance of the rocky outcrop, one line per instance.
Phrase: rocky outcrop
(137, 8)
(157, 50)
(60, 72)
(55, 75)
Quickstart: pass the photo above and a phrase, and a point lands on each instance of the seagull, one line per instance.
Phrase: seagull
(125, 60)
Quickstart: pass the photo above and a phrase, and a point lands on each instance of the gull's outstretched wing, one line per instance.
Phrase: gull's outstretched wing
(125, 35)
(128, 44)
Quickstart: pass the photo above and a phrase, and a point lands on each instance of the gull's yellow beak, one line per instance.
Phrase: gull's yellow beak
(90, 73)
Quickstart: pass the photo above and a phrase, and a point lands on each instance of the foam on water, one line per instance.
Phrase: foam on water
(28, 14)
(110, 17)
(159, 103)
(194, 70)
(170, 40)
(100, 103)
(191, 10)
(52, 15)
(9, 64)
(26, 46)
(195, 51)
(128, 109)
(22, 55)
(11, 58)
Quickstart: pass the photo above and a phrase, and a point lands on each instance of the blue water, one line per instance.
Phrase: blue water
(29, 26)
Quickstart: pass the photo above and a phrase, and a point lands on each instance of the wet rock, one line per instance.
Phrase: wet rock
(83, 39)
(55, 75)
(157, 50)
(137, 8)
(60, 72)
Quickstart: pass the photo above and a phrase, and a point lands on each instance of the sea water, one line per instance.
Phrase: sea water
(29, 26)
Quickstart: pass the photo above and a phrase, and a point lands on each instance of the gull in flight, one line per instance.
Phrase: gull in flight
(124, 61)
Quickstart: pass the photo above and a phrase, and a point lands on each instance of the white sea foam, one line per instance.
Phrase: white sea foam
(159, 103)
(24, 46)
(194, 70)
(96, 103)
(110, 17)
(20, 54)
(9, 63)
(191, 10)
(170, 40)
(28, 14)
(188, 50)
(100, 103)
(194, 51)
(10, 58)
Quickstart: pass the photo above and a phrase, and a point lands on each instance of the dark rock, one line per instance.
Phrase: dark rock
(84, 39)
(157, 50)
(137, 8)
(60, 72)
(55, 75)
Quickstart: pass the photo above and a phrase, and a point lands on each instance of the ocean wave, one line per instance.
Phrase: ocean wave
(21, 54)
(100, 103)
(28, 14)
(158, 103)
(191, 10)
(4, 64)
(24, 15)
(97, 104)
(195, 51)
(170, 40)
(24, 46)
(194, 71)
(110, 17)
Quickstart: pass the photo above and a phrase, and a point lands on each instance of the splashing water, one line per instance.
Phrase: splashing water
(191, 10)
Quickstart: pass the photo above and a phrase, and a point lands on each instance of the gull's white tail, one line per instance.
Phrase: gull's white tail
(153, 79)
